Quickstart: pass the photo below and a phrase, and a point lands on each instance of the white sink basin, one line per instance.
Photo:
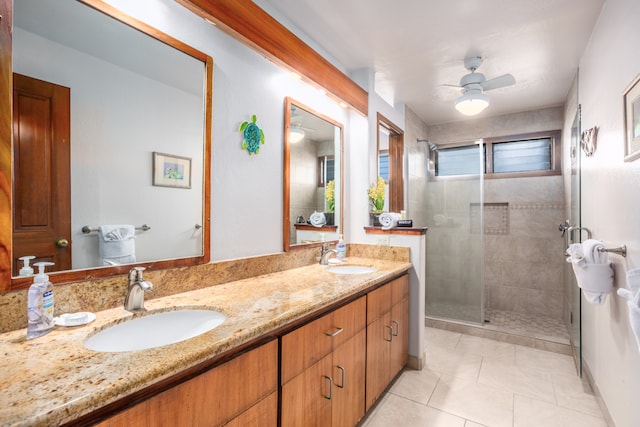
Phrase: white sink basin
(351, 269)
(155, 330)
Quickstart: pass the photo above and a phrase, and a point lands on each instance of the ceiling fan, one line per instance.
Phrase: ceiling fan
(297, 132)
(473, 85)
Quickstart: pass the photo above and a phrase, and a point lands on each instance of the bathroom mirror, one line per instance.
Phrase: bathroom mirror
(313, 170)
(139, 105)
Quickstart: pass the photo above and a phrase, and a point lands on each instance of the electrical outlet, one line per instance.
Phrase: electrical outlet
(382, 239)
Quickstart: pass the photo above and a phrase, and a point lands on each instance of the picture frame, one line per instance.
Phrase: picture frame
(632, 121)
(171, 171)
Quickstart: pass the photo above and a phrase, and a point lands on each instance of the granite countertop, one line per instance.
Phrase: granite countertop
(54, 379)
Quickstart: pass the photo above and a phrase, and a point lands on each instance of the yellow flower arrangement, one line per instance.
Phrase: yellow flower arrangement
(330, 195)
(376, 195)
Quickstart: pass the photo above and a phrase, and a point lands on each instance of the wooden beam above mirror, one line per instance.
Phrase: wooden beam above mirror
(246, 21)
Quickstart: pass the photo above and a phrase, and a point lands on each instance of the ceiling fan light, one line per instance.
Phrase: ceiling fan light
(471, 104)
(295, 135)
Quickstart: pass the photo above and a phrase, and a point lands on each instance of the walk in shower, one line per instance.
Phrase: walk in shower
(494, 253)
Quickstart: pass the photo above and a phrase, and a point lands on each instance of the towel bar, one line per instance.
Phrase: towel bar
(622, 250)
(86, 229)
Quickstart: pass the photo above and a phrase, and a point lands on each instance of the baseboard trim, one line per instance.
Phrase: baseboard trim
(586, 376)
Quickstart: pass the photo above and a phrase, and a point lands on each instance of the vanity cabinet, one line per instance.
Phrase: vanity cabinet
(387, 335)
(240, 392)
(323, 369)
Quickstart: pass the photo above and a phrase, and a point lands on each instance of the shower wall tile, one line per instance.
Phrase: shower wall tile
(493, 272)
(499, 248)
(532, 249)
(503, 297)
(540, 303)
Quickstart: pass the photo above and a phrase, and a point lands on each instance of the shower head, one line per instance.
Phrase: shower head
(432, 146)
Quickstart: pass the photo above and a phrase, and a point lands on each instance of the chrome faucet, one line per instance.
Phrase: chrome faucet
(325, 252)
(134, 300)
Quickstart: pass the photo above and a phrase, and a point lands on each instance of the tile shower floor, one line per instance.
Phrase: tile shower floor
(470, 381)
(542, 327)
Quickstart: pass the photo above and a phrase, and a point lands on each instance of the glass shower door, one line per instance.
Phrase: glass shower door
(575, 308)
(455, 285)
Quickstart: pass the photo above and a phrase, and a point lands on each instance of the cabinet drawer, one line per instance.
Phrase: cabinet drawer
(308, 344)
(399, 289)
(378, 302)
(212, 398)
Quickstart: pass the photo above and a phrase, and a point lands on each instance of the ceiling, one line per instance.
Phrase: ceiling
(416, 46)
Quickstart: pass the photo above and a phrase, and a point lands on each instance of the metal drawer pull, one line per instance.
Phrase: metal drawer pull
(390, 333)
(338, 330)
(342, 372)
(397, 327)
(330, 388)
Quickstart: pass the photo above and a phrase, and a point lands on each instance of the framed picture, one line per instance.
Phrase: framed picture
(632, 121)
(171, 171)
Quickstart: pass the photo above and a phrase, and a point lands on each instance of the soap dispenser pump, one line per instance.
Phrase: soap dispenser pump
(26, 269)
(40, 304)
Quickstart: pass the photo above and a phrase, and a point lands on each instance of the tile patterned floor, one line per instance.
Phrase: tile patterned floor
(527, 324)
(474, 382)
(542, 327)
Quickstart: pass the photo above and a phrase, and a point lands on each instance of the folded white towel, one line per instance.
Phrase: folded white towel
(389, 220)
(633, 301)
(592, 269)
(116, 244)
(317, 219)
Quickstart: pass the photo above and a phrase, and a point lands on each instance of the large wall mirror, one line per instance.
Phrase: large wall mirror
(111, 128)
(313, 177)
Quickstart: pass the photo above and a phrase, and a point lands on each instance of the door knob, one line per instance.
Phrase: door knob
(62, 243)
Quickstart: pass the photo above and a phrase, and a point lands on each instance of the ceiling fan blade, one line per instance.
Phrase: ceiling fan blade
(451, 86)
(498, 82)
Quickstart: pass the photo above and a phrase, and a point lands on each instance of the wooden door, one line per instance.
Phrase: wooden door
(349, 375)
(307, 398)
(41, 177)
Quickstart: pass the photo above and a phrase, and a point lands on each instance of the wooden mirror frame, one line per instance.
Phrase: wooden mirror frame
(286, 225)
(7, 282)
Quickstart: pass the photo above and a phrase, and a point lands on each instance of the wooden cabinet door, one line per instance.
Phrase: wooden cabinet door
(379, 340)
(307, 398)
(400, 343)
(348, 377)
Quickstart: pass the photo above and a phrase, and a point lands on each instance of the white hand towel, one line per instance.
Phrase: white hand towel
(593, 272)
(575, 254)
(633, 301)
(389, 220)
(317, 219)
(116, 244)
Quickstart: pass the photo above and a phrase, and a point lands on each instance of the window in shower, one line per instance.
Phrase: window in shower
(533, 154)
(458, 161)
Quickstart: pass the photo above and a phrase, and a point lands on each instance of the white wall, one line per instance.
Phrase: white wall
(611, 202)
(246, 194)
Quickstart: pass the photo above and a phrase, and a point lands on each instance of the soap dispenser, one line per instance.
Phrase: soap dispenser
(341, 249)
(40, 304)
(26, 269)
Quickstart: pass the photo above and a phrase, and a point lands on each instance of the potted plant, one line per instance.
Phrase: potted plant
(376, 200)
(330, 197)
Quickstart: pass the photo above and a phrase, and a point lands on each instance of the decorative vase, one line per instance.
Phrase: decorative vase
(374, 219)
(330, 217)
